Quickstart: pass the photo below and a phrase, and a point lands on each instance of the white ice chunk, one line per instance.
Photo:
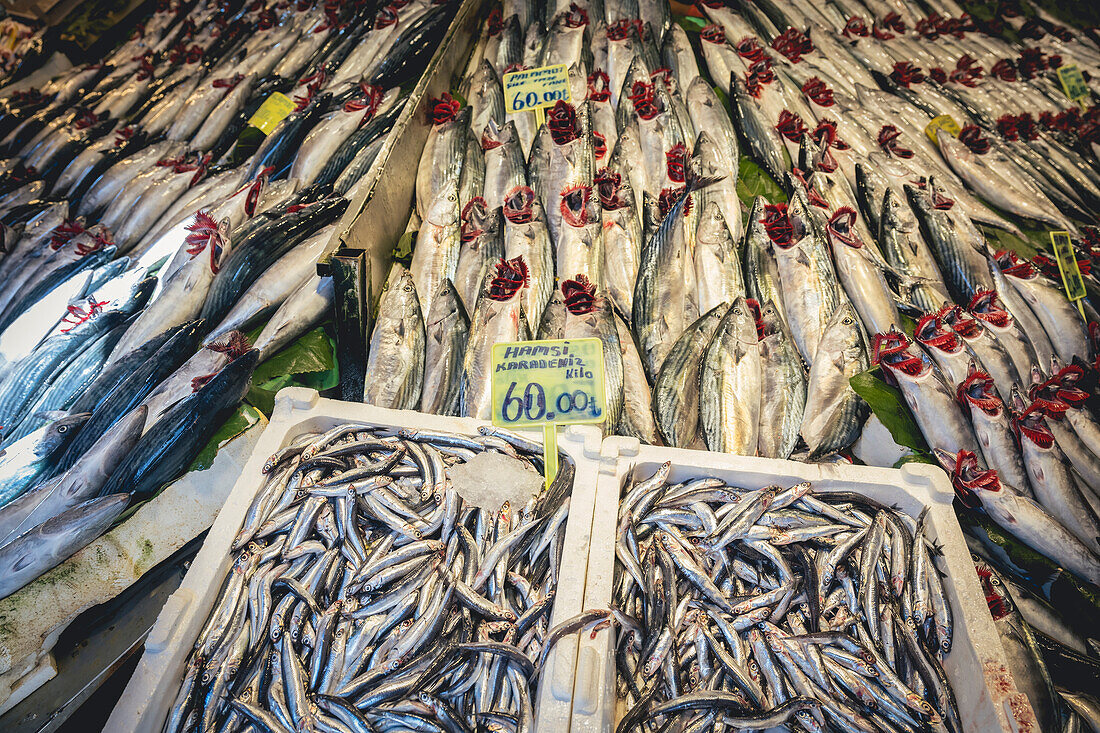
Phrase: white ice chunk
(489, 479)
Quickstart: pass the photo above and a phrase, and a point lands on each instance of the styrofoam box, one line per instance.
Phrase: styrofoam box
(145, 702)
(987, 697)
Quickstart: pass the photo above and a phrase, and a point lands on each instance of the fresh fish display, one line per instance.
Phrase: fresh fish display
(144, 232)
(360, 542)
(752, 605)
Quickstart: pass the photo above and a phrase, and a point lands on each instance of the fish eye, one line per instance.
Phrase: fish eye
(847, 321)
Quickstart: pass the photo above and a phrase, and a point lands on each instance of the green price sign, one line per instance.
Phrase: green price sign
(559, 381)
(1067, 265)
(1073, 82)
(532, 89)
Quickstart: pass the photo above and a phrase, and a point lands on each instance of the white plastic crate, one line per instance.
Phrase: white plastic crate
(987, 697)
(145, 702)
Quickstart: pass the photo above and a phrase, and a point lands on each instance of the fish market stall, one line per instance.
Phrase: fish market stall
(164, 210)
(775, 220)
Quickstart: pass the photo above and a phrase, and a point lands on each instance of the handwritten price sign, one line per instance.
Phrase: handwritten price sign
(554, 381)
(531, 89)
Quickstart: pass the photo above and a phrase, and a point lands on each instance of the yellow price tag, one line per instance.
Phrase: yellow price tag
(555, 381)
(1073, 82)
(533, 89)
(1067, 266)
(943, 122)
(548, 383)
(272, 112)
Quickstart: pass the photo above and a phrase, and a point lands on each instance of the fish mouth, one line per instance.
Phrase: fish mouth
(608, 186)
(777, 223)
(891, 351)
(574, 205)
(905, 74)
(668, 198)
(754, 307)
(643, 96)
(711, 34)
(676, 162)
(620, 29)
(519, 205)
(579, 295)
(794, 44)
(443, 109)
(968, 478)
(986, 305)
(888, 141)
(473, 219)
(818, 92)
(599, 86)
(931, 333)
(977, 391)
(961, 322)
(576, 16)
(791, 126)
(561, 122)
(511, 276)
(1031, 425)
(840, 227)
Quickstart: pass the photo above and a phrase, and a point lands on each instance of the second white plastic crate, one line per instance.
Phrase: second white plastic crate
(987, 697)
(144, 704)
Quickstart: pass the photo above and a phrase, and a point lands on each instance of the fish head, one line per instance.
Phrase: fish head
(473, 218)
(578, 205)
(712, 225)
(841, 228)
(986, 305)
(579, 295)
(741, 321)
(932, 333)
(444, 209)
(59, 432)
(978, 392)
(968, 478)
(899, 358)
(519, 205)
(509, 278)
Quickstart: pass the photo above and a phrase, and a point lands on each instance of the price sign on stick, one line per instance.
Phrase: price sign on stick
(548, 383)
(1067, 266)
(533, 90)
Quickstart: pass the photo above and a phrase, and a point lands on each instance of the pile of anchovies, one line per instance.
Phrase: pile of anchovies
(752, 609)
(365, 595)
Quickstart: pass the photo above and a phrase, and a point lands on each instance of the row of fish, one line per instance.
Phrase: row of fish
(619, 218)
(781, 605)
(141, 239)
(365, 593)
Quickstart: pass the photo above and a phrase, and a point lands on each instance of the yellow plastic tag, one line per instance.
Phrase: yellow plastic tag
(272, 112)
(1067, 265)
(557, 381)
(530, 89)
(1073, 82)
(943, 122)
